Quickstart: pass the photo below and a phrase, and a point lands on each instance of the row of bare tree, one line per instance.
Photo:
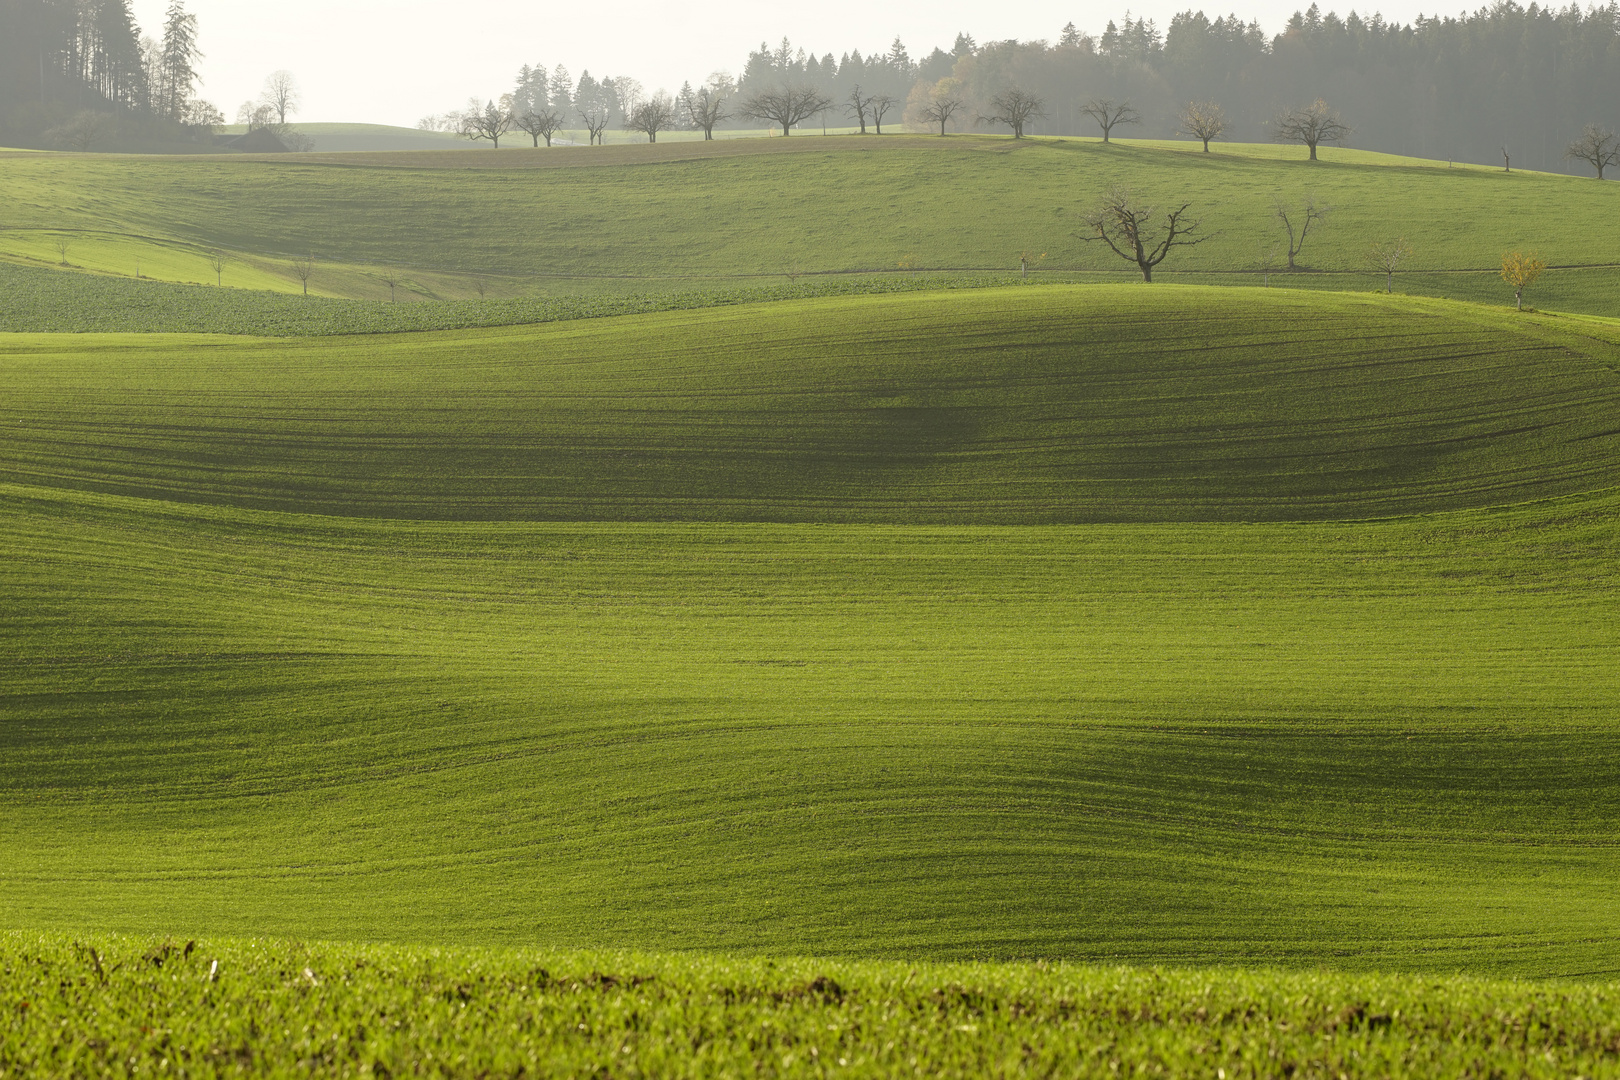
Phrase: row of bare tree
(1136, 234)
(1310, 126)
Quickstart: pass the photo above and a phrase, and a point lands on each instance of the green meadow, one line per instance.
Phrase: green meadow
(523, 221)
(548, 635)
(1011, 406)
(271, 1008)
(714, 660)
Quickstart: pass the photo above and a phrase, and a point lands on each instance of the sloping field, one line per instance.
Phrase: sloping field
(1375, 746)
(257, 680)
(992, 406)
(578, 217)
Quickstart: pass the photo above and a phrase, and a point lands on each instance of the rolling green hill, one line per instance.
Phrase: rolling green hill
(1015, 406)
(638, 217)
(383, 637)
(1381, 746)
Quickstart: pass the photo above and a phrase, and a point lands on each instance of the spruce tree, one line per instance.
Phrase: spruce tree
(178, 75)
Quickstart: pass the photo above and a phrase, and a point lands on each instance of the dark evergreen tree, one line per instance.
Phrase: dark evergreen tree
(176, 77)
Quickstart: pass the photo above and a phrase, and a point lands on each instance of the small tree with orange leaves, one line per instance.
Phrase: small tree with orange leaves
(1520, 270)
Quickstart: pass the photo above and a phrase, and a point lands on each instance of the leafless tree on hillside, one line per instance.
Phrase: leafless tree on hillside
(1110, 114)
(1129, 230)
(391, 276)
(1298, 222)
(216, 262)
(1267, 260)
(650, 117)
(62, 245)
(940, 109)
(83, 130)
(490, 122)
(1598, 147)
(596, 119)
(1386, 258)
(881, 106)
(1203, 120)
(1016, 108)
(539, 124)
(706, 108)
(629, 91)
(280, 94)
(858, 105)
(1313, 124)
(786, 107)
(303, 268)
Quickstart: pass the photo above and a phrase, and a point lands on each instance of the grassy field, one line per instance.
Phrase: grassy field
(42, 301)
(574, 217)
(1376, 745)
(951, 630)
(1015, 406)
(257, 1008)
(38, 299)
(1383, 746)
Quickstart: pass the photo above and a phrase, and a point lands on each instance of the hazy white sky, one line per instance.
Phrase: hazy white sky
(394, 61)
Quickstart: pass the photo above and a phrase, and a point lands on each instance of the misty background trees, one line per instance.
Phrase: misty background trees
(79, 74)
(1457, 87)
(1506, 79)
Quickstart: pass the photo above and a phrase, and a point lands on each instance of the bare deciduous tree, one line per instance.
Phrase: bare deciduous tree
(706, 108)
(940, 109)
(1015, 108)
(881, 105)
(1520, 270)
(1298, 223)
(1203, 120)
(490, 122)
(201, 117)
(1311, 125)
(391, 276)
(62, 245)
(216, 263)
(280, 94)
(1267, 260)
(1507, 162)
(84, 130)
(629, 91)
(650, 117)
(1598, 147)
(596, 118)
(786, 107)
(1386, 258)
(858, 105)
(1109, 114)
(262, 117)
(303, 268)
(539, 124)
(1129, 230)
